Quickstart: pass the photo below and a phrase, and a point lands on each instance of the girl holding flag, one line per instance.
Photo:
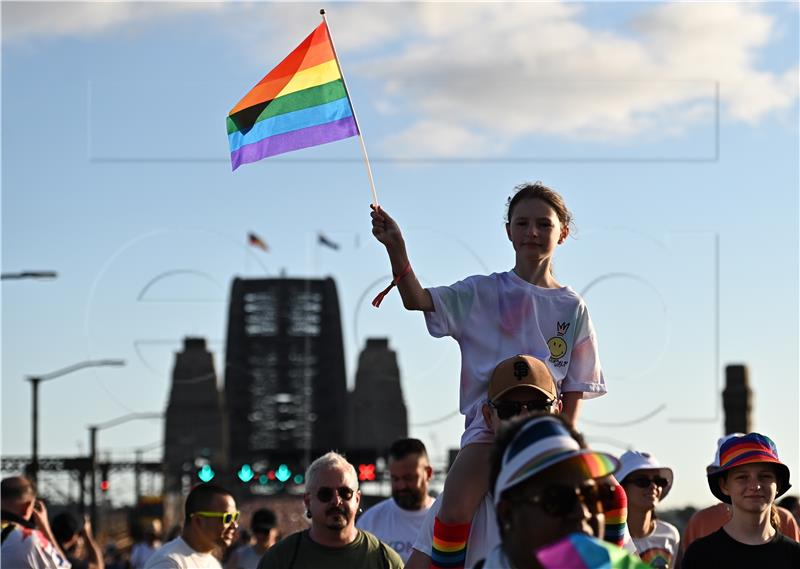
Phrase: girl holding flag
(493, 317)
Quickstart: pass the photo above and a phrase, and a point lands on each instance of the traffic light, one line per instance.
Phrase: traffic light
(366, 472)
(246, 473)
(206, 473)
(104, 484)
(283, 473)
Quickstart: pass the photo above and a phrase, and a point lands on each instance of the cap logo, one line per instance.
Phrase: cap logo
(520, 370)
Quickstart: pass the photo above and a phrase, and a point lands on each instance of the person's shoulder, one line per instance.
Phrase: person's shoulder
(701, 550)
(787, 542)
(711, 540)
(279, 554)
(394, 559)
(375, 545)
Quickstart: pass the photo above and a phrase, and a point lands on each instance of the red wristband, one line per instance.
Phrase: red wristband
(376, 302)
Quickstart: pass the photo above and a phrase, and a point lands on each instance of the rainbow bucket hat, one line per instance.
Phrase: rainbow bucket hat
(738, 449)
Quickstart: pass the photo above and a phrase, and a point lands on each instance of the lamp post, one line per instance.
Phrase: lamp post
(93, 451)
(35, 381)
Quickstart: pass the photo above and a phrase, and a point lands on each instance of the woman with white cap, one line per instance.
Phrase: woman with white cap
(748, 475)
(647, 483)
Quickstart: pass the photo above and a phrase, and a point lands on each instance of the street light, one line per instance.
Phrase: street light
(35, 380)
(93, 450)
(39, 275)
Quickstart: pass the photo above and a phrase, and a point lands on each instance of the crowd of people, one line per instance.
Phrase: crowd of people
(524, 491)
(551, 503)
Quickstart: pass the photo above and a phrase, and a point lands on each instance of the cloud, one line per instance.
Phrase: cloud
(26, 21)
(503, 72)
(481, 76)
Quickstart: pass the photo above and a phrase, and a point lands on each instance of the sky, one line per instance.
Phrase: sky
(671, 130)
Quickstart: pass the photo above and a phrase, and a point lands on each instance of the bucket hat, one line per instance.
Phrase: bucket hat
(633, 460)
(738, 449)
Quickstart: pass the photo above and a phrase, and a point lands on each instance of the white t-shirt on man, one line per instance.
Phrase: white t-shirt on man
(177, 554)
(394, 526)
(483, 534)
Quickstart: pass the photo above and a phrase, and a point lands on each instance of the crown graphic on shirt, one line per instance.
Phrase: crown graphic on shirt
(562, 328)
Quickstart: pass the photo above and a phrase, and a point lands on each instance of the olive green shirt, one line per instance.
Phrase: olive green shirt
(299, 551)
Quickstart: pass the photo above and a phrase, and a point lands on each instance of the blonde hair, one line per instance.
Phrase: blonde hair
(329, 460)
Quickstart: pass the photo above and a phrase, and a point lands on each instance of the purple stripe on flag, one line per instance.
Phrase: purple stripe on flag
(294, 140)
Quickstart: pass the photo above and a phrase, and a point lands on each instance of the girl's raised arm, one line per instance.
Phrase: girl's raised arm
(386, 230)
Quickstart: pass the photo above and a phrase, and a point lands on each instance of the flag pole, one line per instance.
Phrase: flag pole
(352, 106)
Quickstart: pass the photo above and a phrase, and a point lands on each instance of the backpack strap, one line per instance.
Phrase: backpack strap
(7, 529)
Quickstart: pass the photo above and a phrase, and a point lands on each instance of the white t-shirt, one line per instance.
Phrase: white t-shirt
(501, 315)
(393, 525)
(483, 534)
(177, 554)
(660, 547)
(26, 548)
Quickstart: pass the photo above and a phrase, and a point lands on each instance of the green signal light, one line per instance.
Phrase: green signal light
(263, 479)
(283, 473)
(206, 474)
(298, 478)
(245, 473)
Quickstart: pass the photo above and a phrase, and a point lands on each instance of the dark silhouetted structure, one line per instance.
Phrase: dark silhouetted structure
(285, 383)
(377, 411)
(737, 400)
(194, 427)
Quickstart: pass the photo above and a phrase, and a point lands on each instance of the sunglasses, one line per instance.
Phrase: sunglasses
(507, 409)
(559, 500)
(227, 517)
(325, 494)
(645, 481)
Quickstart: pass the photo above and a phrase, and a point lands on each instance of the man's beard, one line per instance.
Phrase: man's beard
(336, 525)
(409, 499)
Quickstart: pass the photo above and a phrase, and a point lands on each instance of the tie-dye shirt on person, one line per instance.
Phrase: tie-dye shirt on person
(497, 316)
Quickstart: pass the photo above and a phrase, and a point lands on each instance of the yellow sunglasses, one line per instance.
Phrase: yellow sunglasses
(227, 517)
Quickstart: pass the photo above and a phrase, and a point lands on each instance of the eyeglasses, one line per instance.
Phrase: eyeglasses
(645, 481)
(507, 409)
(559, 500)
(325, 494)
(227, 517)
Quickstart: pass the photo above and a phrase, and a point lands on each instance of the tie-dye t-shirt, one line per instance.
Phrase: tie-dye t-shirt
(660, 547)
(501, 315)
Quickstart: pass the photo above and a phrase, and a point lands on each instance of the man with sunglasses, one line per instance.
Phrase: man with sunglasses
(209, 525)
(519, 385)
(333, 541)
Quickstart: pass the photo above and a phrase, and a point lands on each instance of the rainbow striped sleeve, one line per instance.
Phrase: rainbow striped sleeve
(300, 103)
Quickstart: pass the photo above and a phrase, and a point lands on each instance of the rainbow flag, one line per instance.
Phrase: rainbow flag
(580, 551)
(300, 103)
